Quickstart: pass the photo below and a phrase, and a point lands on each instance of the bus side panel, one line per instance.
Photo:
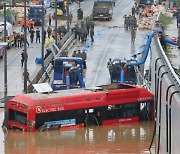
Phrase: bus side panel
(120, 120)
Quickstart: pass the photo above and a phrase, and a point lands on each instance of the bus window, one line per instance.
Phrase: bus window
(17, 116)
(122, 111)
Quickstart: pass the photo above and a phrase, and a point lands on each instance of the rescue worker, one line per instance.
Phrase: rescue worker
(128, 22)
(27, 76)
(125, 21)
(82, 35)
(22, 40)
(162, 40)
(84, 57)
(85, 34)
(92, 34)
(133, 35)
(49, 30)
(31, 35)
(80, 14)
(70, 18)
(38, 35)
(133, 11)
(82, 24)
(79, 69)
(18, 40)
(91, 23)
(88, 25)
(24, 56)
(79, 54)
(76, 31)
(110, 67)
(73, 75)
(15, 39)
(31, 23)
(64, 31)
(133, 22)
(74, 53)
(50, 18)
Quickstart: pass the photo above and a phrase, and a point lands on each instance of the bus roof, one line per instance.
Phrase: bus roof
(113, 93)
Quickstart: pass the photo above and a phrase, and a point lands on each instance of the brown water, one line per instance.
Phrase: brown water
(132, 138)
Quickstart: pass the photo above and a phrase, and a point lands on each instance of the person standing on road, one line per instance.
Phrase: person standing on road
(38, 35)
(49, 30)
(74, 53)
(50, 18)
(125, 21)
(162, 40)
(133, 35)
(79, 54)
(110, 67)
(18, 37)
(84, 57)
(133, 11)
(76, 31)
(24, 56)
(70, 18)
(92, 34)
(32, 35)
(15, 39)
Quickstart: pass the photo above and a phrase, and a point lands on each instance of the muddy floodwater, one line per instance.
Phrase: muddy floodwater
(131, 138)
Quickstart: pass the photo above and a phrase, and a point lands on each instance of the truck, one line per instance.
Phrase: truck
(103, 9)
(9, 36)
(36, 14)
(129, 73)
(68, 73)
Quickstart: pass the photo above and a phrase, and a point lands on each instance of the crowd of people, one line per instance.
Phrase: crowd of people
(82, 55)
(84, 29)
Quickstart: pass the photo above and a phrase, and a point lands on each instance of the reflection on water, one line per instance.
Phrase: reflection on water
(126, 138)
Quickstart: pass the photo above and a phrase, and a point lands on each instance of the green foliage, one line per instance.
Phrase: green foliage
(165, 20)
(177, 2)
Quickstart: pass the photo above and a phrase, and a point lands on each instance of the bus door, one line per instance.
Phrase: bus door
(94, 116)
(89, 117)
(146, 111)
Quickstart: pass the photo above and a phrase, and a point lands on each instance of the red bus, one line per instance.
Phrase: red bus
(103, 105)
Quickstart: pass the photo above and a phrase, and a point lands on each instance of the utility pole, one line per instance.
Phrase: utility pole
(67, 8)
(43, 38)
(55, 22)
(25, 50)
(5, 70)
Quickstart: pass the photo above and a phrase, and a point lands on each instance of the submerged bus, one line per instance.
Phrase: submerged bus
(102, 105)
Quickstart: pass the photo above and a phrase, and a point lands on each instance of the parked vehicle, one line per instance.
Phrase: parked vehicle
(103, 9)
(102, 105)
(129, 74)
(9, 36)
(36, 14)
(67, 74)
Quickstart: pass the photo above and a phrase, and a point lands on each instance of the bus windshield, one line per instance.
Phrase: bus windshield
(18, 117)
